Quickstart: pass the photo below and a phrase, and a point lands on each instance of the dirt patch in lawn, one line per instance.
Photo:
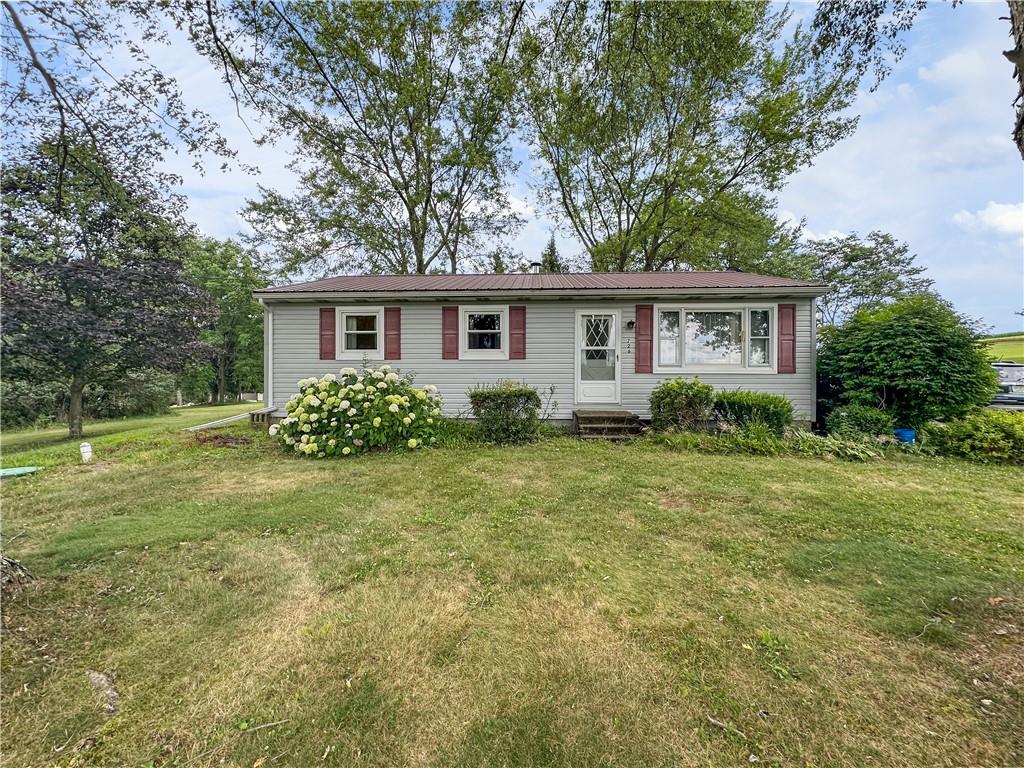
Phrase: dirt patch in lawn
(220, 440)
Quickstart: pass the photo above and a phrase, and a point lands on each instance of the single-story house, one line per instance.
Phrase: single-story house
(597, 340)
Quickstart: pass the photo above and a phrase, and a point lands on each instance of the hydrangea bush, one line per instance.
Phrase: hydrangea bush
(357, 411)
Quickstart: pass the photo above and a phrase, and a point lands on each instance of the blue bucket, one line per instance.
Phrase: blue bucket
(905, 435)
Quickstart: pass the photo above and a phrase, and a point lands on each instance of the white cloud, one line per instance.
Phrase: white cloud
(1001, 218)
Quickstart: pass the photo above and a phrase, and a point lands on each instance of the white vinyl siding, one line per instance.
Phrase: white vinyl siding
(550, 354)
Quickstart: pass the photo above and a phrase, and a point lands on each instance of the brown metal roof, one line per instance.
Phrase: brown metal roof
(547, 281)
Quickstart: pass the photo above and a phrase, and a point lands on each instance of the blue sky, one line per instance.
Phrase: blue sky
(931, 162)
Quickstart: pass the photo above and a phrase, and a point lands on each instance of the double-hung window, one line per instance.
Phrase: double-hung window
(484, 332)
(360, 332)
(711, 338)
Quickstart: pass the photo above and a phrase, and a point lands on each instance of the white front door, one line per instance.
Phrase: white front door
(597, 356)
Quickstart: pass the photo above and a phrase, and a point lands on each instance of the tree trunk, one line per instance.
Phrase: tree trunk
(1016, 55)
(75, 407)
(221, 378)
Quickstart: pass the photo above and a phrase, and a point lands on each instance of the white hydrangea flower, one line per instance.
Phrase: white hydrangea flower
(347, 371)
(393, 407)
(351, 411)
(407, 421)
(304, 439)
(274, 429)
(306, 428)
(376, 422)
(412, 442)
(328, 377)
(385, 368)
(412, 416)
(345, 404)
(382, 385)
(346, 450)
(314, 416)
(392, 377)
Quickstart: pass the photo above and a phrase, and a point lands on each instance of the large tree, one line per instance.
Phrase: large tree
(93, 282)
(81, 76)
(867, 35)
(400, 115)
(229, 274)
(863, 273)
(655, 121)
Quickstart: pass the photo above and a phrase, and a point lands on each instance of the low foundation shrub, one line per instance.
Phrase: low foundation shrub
(355, 412)
(506, 412)
(682, 404)
(760, 441)
(745, 409)
(985, 436)
(858, 421)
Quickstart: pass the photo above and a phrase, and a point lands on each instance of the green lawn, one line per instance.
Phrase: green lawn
(562, 604)
(1008, 348)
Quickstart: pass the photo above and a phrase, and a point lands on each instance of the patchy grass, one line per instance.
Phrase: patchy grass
(559, 604)
(1007, 348)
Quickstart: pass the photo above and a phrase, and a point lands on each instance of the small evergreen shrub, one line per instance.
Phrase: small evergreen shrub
(852, 421)
(745, 409)
(506, 412)
(354, 412)
(985, 436)
(681, 404)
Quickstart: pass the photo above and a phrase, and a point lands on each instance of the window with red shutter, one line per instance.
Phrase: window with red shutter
(392, 333)
(517, 333)
(450, 333)
(644, 338)
(328, 345)
(787, 338)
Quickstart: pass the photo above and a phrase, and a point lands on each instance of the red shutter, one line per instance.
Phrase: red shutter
(517, 333)
(449, 333)
(644, 338)
(787, 338)
(392, 333)
(328, 344)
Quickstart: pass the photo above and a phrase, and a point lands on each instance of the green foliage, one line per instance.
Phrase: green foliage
(987, 436)
(681, 404)
(759, 440)
(664, 127)
(40, 403)
(549, 261)
(506, 412)
(95, 288)
(400, 115)
(853, 421)
(863, 273)
(915, 358)
(355, 412)
(229, 274)
(745, 409)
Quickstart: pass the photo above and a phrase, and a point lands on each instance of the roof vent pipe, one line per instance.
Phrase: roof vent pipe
(535, 267)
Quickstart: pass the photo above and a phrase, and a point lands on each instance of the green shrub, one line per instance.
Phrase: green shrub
(985, 436)
(506, 412)
(759, 441)
(681, 404)
(358, 411)
(916, 359)
(745, 409)
(854, 420)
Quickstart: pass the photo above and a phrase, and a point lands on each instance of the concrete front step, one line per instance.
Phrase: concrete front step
(605, 424)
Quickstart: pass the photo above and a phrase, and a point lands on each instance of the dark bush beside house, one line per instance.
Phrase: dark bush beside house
(755, 409)
(682, 404)
(853, 421)
(506, 412)
(985, 436)
(916, 359)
